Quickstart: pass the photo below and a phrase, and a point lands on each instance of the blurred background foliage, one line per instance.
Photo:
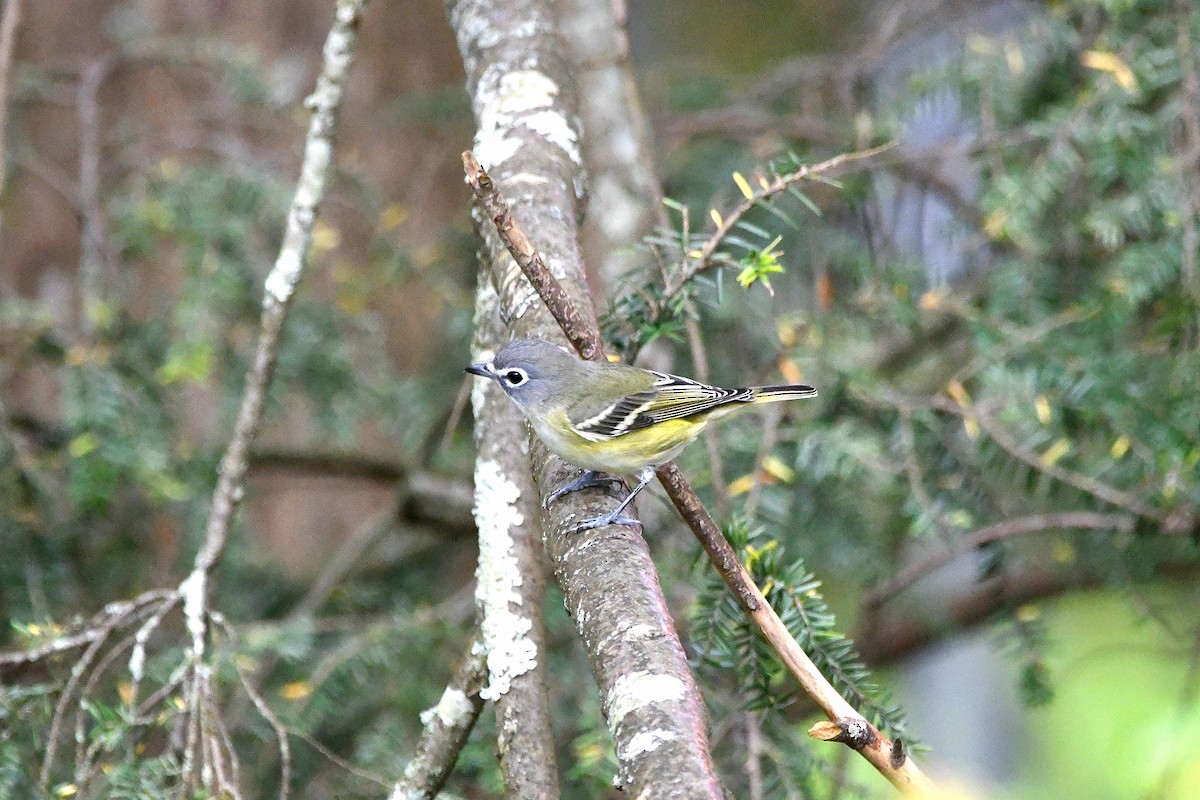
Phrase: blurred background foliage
(995, 496)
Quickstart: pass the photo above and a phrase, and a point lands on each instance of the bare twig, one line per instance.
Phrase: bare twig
(583, 334)
(862, 736)
(8, 38)
(1034, 523)
(447, 726)
(868, 741)
(281, 283)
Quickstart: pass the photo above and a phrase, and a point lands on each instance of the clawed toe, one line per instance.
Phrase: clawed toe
(586, 479)
(607, 519)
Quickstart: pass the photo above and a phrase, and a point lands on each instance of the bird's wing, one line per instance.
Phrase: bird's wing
(671, 397)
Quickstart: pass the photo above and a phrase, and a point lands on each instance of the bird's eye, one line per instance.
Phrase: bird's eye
(515, 377)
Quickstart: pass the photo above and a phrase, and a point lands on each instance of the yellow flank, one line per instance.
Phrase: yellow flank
(628, 452)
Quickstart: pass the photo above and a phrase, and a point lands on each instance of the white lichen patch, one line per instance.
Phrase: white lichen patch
(510, 649)
(557, 130)
(451, 710)
(647, 742)
(284, 275)
(514, 99)
(637, 689)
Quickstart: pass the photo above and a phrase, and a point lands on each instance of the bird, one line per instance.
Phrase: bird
(613, 418)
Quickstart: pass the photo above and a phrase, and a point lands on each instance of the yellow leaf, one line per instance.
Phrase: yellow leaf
(716, 217)
(83, 444)
(77, 355)
(1042, 407)
(66, 790)
(775, 467)
(1064, 552)
(958, 393)
(786, 331)
(1014, 57)
(1170, 487)
(743, 185)
(931, 300)
(1056, 452)
(790, 371)
(1028, 613)
(1120, 447)
(1112, 64)
(170, 168)
(125, 692)
(971, 426)
(296, 690)
(762, 180)
(324, 237)
(994, 223)
(740, 485)
(961, 518)
(393, 216)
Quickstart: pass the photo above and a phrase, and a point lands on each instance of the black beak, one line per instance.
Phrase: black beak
(479, 369)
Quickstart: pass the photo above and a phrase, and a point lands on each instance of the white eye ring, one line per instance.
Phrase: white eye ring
(514, 376)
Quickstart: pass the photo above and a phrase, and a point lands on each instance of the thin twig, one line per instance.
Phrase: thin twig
(705, 256)
(325, 102)
(447, 726)
(1009, 528)
(8, 38)
(888, 758)
(584, 337)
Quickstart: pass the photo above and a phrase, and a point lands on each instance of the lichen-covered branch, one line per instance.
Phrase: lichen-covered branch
(510, 588)
(528, 139)
(447, 726)
(888, 757)
(281, 283)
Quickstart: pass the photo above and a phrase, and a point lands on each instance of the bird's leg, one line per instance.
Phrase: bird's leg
(615, 517)
(586, 479)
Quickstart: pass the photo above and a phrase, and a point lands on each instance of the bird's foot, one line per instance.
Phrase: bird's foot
(588, 478)
(617, 517)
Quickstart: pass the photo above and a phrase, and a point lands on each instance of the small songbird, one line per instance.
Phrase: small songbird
(607, 417)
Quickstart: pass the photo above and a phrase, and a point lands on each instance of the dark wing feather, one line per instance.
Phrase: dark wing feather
(672, 397)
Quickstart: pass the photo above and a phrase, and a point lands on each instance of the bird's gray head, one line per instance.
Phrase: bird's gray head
(527, 370)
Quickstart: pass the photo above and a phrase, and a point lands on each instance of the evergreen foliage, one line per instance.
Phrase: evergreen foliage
(1060, 375)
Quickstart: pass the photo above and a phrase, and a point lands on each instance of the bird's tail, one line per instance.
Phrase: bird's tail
(774, 394)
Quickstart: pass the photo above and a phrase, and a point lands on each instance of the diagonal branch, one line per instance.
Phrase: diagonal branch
(281, 283)
(887, 757)
(447, 726)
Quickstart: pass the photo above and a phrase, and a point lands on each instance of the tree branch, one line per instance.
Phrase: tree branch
(527, 137)
(1034, 523)
(885, 756)
(510, 589)
(447, 726)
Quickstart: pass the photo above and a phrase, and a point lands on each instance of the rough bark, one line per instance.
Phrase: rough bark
(528, 138)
